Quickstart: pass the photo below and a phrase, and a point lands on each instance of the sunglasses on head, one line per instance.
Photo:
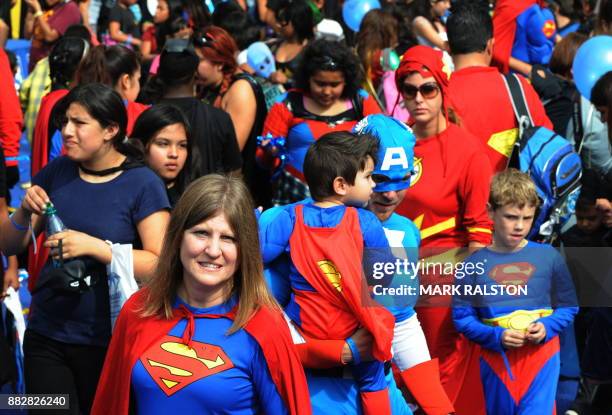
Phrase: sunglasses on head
(203, 40)
(428, 90)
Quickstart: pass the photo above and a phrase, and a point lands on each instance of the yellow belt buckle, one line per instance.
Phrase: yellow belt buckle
(517, 320)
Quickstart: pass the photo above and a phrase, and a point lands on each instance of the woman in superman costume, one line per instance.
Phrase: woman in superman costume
(205, 336)
(327, 99)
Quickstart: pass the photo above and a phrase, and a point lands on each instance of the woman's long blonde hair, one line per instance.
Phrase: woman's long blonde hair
(203, 199)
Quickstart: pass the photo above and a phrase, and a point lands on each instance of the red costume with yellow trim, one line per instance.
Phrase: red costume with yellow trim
(447, 201)
(134, 335)
(480, 99)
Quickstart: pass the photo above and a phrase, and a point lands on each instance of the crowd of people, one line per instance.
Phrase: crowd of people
(260, 169)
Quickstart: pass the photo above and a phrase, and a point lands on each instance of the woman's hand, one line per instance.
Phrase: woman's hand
(363, 340)
(76, 244)
(35, 200)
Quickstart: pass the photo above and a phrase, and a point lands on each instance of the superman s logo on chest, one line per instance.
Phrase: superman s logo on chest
(173, 365)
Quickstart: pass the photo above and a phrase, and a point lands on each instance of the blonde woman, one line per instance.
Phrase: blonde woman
(205, 336)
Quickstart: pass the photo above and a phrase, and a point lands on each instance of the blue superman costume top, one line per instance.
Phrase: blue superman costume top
(226, 373)
(254, 370)
(549, 287)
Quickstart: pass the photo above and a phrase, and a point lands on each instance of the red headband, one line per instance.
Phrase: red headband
(427, 62)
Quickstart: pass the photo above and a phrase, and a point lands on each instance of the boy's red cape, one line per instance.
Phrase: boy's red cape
(504, 28)
(330, 259)
(133, 335)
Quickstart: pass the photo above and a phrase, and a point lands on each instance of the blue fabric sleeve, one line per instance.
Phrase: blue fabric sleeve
(275, 228)
(539, 46)
(152, 198)
(563, 296)
(276, 274)
(269, 399)
(55, 145)
(467, 321)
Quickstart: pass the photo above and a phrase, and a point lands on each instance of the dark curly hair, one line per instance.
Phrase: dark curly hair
(328, 55)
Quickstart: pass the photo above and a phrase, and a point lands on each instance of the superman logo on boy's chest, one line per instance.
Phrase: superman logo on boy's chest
(516, 273)
(173, 365)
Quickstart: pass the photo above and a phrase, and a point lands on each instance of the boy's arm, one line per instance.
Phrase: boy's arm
(563, 297)
(466, 319)
(275, 228)
(467, 322)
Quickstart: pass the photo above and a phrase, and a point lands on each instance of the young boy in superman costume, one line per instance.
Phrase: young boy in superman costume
(325, 239)
(519, 363)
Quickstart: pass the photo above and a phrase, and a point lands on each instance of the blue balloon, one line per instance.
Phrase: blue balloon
(592, 61)
(354, 10)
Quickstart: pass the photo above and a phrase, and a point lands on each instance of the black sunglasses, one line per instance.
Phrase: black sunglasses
(203, 40)
(428, 90)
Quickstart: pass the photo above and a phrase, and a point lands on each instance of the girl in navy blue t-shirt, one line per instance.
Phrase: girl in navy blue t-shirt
(103, 196)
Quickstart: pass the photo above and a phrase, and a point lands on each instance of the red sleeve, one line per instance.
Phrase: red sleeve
(149, 36)
(11, 118)
(538, 113)
(69, 15)
(278, 121)
(370, 106)
(474, 194)
(270, 330)
(320, 354)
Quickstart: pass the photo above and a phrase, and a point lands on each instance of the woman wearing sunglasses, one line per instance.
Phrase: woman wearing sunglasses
(327, 99)
(225, 86)
(447, 198)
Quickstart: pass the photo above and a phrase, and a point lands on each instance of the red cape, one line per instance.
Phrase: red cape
(40, 158)
(133, 335)
(337, 274)
(40, 142)
(504, 28)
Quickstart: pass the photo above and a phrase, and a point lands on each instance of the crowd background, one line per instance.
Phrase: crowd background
(244, 88)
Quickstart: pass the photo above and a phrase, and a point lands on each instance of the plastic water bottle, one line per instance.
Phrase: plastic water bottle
(54, 225)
